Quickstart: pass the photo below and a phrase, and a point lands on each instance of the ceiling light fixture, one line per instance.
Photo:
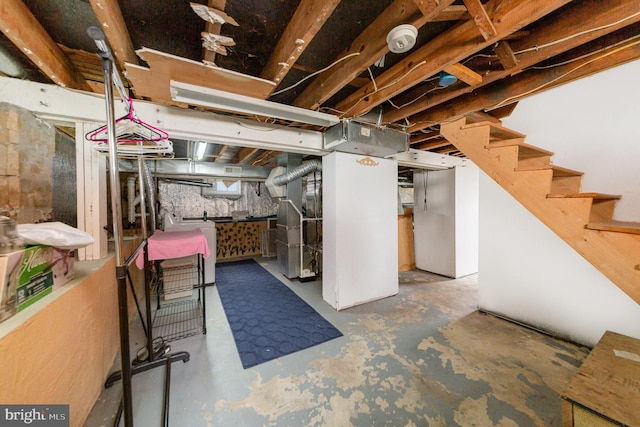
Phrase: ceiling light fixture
(226, 101)
(201, 148)
(402, 38)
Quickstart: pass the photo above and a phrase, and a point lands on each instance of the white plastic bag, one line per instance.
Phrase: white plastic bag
(55, 234)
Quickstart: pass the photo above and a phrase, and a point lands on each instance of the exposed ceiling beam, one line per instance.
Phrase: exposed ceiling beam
(502, 112)
(307, 20)
(370, 45)
(221, 152)
(24, 30)
(505, 55)
(481, 18)
(432, 145)
(422, 137)
(449, 47)
(452, 13)
(512, 89)
(464, 73)
(549, 38)
(265, 157)
(244, 155)
(112, 23)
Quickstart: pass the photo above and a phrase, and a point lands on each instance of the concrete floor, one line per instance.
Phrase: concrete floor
(425, 357)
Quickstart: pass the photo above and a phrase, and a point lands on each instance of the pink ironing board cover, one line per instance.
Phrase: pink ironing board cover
(174, 244)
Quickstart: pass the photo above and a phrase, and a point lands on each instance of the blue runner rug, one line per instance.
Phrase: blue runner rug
(268, 320)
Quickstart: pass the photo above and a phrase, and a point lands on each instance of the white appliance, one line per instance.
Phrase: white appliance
(208, 228)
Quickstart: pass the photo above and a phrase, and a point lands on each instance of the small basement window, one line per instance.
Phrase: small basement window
(223, 188)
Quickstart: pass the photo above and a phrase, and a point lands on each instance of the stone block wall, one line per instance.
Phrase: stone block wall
(27, 146)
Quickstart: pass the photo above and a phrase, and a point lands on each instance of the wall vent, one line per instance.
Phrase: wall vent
(233, 171)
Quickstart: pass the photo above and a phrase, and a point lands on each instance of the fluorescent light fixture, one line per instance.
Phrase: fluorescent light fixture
(218, 99)
(201, 147)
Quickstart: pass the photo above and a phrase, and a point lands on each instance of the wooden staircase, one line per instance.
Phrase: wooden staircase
(552, 194)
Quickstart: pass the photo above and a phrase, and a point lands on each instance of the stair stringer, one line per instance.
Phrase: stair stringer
(616, 255)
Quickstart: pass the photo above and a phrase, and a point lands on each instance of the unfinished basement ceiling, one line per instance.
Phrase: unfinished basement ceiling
(500, 51)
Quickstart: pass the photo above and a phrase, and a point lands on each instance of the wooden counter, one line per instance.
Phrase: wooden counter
(606, 390)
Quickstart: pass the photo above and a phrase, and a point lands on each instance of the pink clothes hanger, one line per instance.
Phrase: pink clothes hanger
(129, 129)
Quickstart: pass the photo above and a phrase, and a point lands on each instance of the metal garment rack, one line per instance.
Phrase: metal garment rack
(122, 265)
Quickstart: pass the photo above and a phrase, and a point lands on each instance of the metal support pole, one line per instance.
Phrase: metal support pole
(116, 211)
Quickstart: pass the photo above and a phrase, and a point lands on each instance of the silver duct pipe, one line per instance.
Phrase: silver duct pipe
(151, 196)
(300, 171)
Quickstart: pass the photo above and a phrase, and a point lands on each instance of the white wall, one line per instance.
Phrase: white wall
(434, 221)
(360, 229)
(526, 272)
(446, 220)
(592, 125)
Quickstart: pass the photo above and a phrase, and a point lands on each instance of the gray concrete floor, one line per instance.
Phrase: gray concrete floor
(425, 357)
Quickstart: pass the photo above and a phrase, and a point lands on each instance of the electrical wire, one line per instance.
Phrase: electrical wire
(546, 67)
(375, 86)
(603, 27)
(315, 73)
(417, 99)
(564, 74)
(419, 64)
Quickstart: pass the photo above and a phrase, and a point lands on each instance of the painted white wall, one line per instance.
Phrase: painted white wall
(529, 274)
(592, 125)
(526, 272)
(434, 221)
(360, 229)
(446, 220)
(467, 211)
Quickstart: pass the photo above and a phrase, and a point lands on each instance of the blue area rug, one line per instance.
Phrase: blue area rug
(268, 320)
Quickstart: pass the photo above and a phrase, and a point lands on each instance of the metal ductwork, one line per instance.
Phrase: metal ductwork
(150, 193)
(299, 172)
(357, 137)
(278, 177)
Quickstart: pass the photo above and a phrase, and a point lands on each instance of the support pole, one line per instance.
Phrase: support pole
(116, 211)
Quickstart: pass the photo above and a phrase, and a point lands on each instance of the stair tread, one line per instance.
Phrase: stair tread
(596, 196)
(558, 170)
(617, 226)
(531, 149)
(497, 131)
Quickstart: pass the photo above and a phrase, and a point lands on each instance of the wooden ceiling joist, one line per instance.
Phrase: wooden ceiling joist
(481, 18)
(223, 149)
(450, 47)
(422, 137)
(556, 34)
(244, 155)
(369, 46)
(532, 81)
(505, 111)
(23, 29)
(307, 20)
(505, 55)
(452, 13)
(433, 145)
(112, 23)
(464, 73)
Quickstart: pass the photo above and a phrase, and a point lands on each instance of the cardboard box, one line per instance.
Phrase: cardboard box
(25, 277)
(62, 266)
